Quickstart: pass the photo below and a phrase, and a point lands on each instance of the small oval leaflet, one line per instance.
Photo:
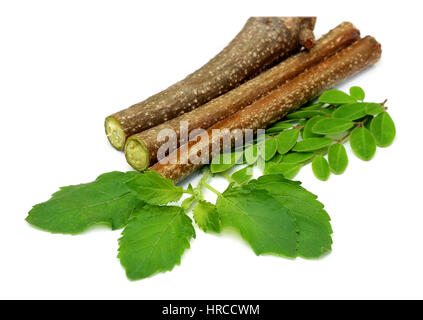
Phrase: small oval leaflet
(363, 143)
(277, 158)
(320, 168)
(336, 97)
(270, 148)
(251, 154)
(338, 159)
(307, 131)
(312, 144)
(332, 126)
(288, 170)
(357, 93)
(304, 114)
(313, 106)
(373, 109)
(278, 127)
(297, 157)
(287, 139)
(351, 111)
(225, 161)
(383, 129)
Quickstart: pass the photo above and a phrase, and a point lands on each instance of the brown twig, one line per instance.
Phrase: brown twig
(141, 149)
(279, 102)
(262, 42)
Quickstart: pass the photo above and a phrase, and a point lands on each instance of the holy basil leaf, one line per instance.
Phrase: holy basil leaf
(154, 241)
(351, 111)
(336, 97)
(383, 129)
(287, 139)
(307, 131)
(363, 143)
(332, 126)
(297, 157)
(207, 217)
(242, 176)
(152, 188)
(313, 222)
(357, 93)
(312, 144)
(225, 161)
(74, 209)
(338, 159)
(267, 226)
(288, 170)
(320, 168)
(188, 202)
(373, 109)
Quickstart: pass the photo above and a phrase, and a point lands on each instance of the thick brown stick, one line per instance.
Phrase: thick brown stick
(279, 102)
(262, 42)
(141, 148)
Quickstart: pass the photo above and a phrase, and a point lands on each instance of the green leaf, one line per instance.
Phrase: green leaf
(244, 175)
(351, 111)
(288, 170)
(357, 93)
(336, 97)
(270, 148)
(251, 154)
(363, 143)
(304, 114)
(278, 127)
(224, 161)
(383, 129)
(154, 241)
(332, 126)
(373, 109)
(277, 158)
(188, 202)
(152, 188)
(320, 168)
(328, 111)
(313, 106)
(338, 159)
(261, 164)
(313, 222)
(287, 139)
(297, 157)
(312, 144)
(307, 131)
(207, 217)
(74, 209)
(267, 226)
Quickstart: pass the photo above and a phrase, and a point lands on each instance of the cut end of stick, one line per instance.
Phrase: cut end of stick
(115, 133)
(137, 154)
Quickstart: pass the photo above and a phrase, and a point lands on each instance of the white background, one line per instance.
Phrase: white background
(65, 65)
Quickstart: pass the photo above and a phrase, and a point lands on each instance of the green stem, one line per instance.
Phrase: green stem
(228, 177)
(207, 186)
(189, 192)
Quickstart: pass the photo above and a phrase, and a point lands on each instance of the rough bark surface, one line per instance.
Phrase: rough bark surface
(262, 42)
(242, 96)
(279, 102)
